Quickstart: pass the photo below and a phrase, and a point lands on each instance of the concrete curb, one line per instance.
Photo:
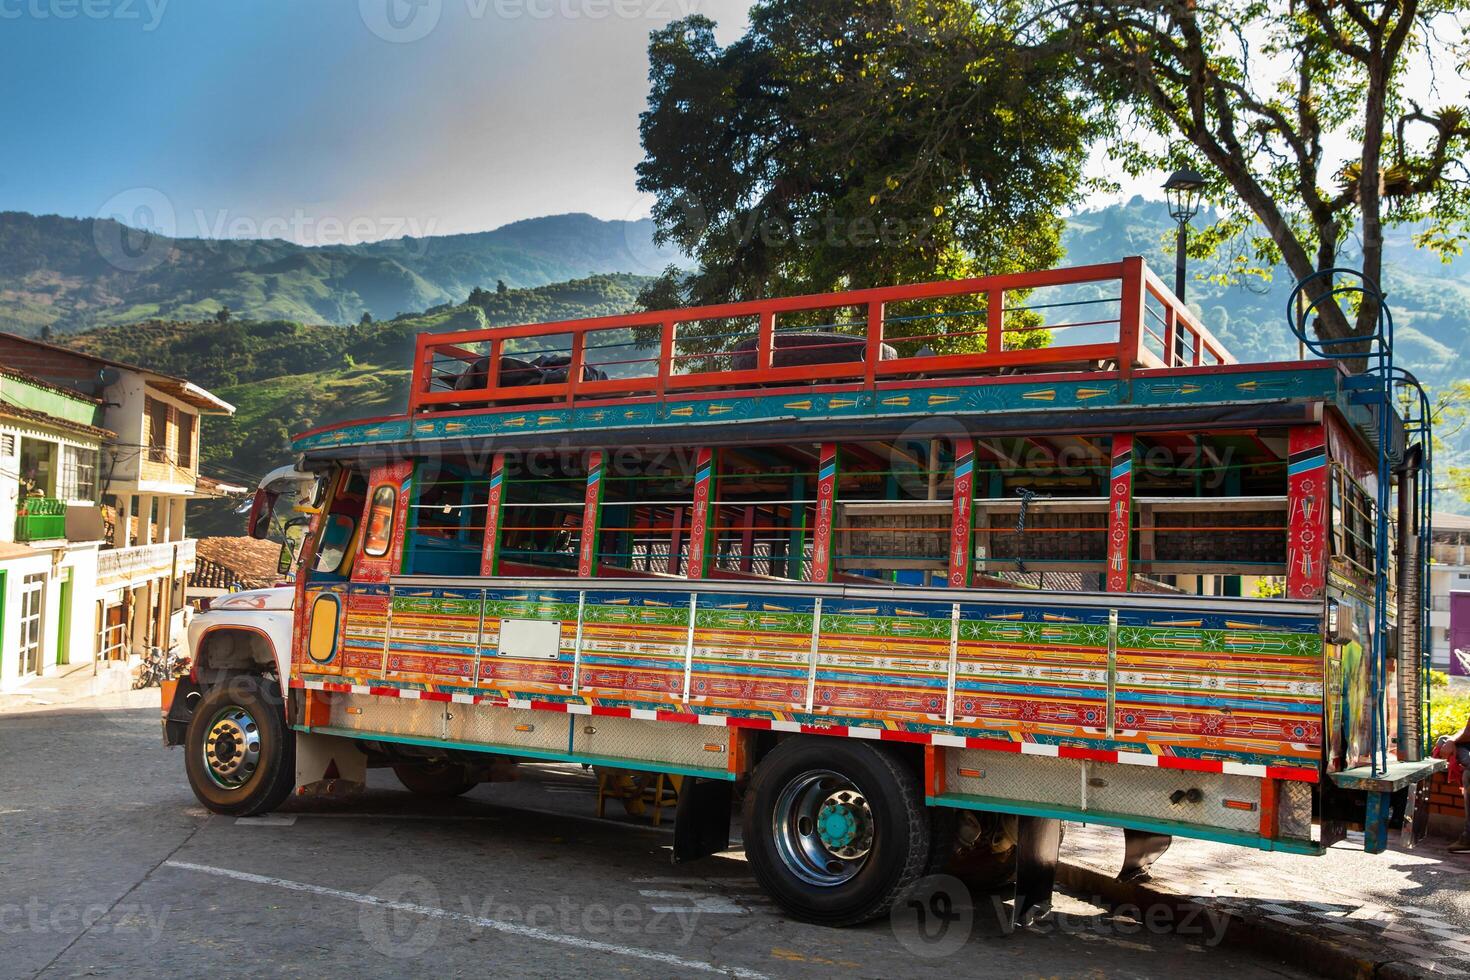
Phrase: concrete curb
(1311, 951)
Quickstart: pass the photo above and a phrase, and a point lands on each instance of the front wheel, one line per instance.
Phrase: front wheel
(238, 752)
(835, 831)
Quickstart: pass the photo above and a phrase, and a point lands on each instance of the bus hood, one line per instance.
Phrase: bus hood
(281, 597)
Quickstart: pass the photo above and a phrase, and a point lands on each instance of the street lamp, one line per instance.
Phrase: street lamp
(1183, 192)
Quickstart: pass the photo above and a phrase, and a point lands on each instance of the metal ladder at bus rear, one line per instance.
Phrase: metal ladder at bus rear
(1375, 389)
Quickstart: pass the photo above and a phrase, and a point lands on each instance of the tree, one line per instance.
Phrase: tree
(222, 315)
(366, 320)
(478, 297)
(840, 145)
(47, 332)
(500, 287)
(1308, 115)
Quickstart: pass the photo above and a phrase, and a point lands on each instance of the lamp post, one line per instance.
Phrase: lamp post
(1183, 192)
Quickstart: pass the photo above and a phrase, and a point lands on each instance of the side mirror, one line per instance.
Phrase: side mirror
(258, 524)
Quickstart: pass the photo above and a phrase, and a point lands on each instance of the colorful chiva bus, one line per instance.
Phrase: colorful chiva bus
(908, 571)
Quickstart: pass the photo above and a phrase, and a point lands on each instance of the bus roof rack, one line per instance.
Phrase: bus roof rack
(1116, 316)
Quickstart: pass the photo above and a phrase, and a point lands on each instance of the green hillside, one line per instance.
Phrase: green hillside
(69, 275)
(1428, 297)
(284, 377)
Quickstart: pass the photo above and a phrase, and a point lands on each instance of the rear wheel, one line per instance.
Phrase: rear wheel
(440, 779)
(835, 831)
(238, 752)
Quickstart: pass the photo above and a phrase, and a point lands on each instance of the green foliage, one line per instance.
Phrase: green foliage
(1270, 587)
(1448, 712)
(847, 145)
(1285, 107)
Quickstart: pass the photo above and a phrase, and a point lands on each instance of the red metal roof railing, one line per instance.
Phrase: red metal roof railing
(1114, 316)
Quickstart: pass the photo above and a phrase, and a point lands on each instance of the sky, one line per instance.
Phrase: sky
(323, 121)
(330, 121)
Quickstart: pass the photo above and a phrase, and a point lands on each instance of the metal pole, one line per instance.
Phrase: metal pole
(1179, 242)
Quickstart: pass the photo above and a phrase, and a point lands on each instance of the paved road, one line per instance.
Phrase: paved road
(109, 866)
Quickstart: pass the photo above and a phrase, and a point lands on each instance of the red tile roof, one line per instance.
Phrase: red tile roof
(249, 561)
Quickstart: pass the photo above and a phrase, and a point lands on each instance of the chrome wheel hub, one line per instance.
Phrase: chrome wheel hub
(232, 747)
(823, 828)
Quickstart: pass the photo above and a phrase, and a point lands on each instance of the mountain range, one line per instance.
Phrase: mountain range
(69, 274)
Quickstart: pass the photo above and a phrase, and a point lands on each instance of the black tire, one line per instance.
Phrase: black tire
(786, 859)
(233, 721)
(442, 780)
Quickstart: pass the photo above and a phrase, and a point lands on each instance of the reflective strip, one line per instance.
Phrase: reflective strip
(1292, 773)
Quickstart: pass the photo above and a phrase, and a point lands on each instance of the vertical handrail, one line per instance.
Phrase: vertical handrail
(765, 347)
(995, 311)
(1130, 320)
(574, 364)
(873, 353)
(665, 354)
(811, 654)
(577, 643)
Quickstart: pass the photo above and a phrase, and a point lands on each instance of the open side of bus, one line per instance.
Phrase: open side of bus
(919, 608)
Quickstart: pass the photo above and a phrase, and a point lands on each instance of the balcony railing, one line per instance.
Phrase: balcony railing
(145, 560)
(41, 519)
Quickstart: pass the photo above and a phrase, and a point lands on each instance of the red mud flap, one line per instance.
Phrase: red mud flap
(178, 700)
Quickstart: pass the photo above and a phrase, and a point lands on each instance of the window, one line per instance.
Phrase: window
(336, 536)
(647, 510)
(37, 467)
(1353, 521)
(7, 444)
(78, 474)
(185, 453)
(157, 418)
(112, 633)
(446, 522)
(380, 522)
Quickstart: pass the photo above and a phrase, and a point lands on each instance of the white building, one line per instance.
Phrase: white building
(143, 470)
(1450, 572)
(50, 526)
